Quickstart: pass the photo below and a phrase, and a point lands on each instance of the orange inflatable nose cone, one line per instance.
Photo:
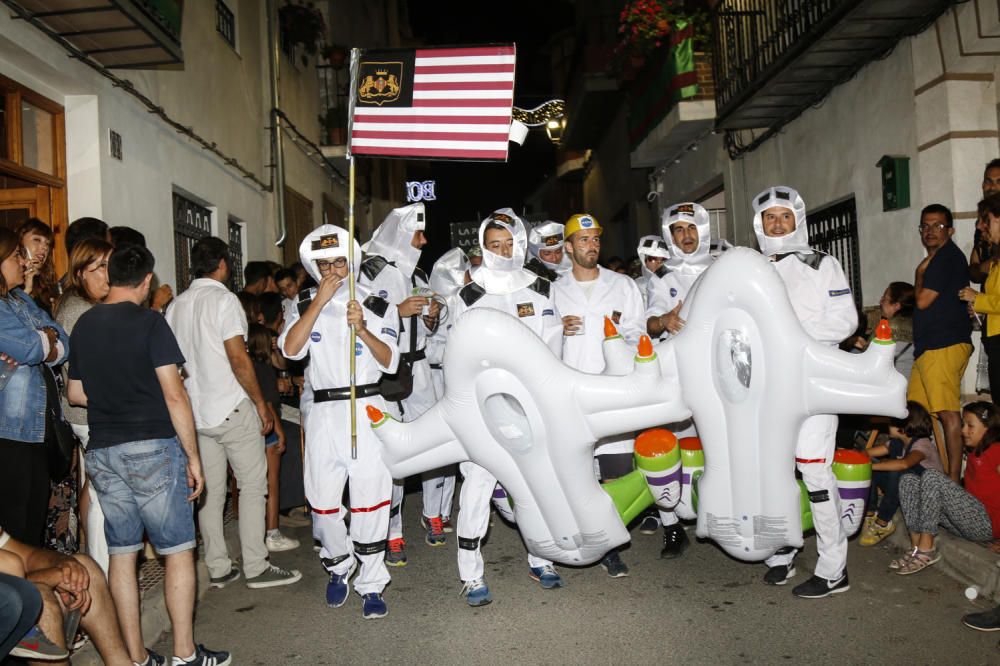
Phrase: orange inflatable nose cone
(374, 413)
(883, 331)
(609, 328)
(645, 347)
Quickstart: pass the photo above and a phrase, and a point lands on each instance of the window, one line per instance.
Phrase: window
(225, 22)
(236, 254)
(834, 230)
(192, 222)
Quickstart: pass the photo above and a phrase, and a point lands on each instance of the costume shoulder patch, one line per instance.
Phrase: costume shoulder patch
(372, 266)
(541, 270)
(376, 304)
(662, 270)
(541, 286)
(471, 293)
(840, 292)
(305, 298)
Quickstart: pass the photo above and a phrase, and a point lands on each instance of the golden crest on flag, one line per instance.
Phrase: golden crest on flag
(379, 82)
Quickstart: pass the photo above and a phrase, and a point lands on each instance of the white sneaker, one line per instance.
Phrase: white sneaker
(278, 542)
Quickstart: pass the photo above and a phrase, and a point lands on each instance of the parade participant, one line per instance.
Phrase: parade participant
(687, 229)
(546, 257)
(821, 299)
(321, 328)
(652, 251)
(450, 273)
(501, 283)
(585, 296)
(390, 271)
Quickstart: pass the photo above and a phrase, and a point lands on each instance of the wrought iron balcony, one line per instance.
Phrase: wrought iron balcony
(776, 58)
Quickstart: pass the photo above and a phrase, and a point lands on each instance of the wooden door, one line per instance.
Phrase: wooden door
(18, 204)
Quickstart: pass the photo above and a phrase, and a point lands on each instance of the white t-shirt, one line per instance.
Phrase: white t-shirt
(203, 318)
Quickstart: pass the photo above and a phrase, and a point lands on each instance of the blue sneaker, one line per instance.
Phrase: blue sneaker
(373, 606)
(476, 593)
(338, 589)
(546, 575)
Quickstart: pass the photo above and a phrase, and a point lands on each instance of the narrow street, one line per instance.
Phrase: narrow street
(703, 608)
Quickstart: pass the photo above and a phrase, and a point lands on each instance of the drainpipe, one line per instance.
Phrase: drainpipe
(277, 149)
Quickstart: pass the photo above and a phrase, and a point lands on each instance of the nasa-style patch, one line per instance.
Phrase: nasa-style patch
(526, 309)
(382, 293)
(840, 292)
(358, 348)
(315, 336)
(548, 312)
(673, 292)
(586, 222)
(616, 316)
(389, 331)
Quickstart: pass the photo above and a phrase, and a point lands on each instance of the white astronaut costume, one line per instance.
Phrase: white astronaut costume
(673, 281)
(547, 236)
(649, 246)
(390, 271)
(447, 277)
(328, 463)
(501, 283)
(821, 298)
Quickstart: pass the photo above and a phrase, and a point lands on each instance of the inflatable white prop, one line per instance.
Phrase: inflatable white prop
(751, 375)
(532, 422)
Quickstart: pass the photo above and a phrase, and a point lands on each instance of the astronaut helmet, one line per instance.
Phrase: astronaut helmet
(699, 258)
(327, 242)
(448, 274)
(794, 241)
(506, 219)
(546, 236)
(651, 246)
(393, 239)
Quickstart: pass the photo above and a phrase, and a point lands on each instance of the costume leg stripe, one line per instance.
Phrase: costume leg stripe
(330, 562)
(326, 512)
(367, 509)
(468, 544)
(817, 496)
(807, 461)
(369, 548)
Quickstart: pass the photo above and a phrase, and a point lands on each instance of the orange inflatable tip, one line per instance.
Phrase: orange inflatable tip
(374, 413)
(883, 331)
(645, 347)
(609, 328)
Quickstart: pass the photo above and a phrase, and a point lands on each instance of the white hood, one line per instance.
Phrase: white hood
(393, 240)
(651, 246)
(700, 259)
(785, 197)
(549, 236)
(448, 274)
(327, 242)
(504, 275)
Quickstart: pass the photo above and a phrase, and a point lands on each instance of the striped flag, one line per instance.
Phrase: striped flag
(444, 103)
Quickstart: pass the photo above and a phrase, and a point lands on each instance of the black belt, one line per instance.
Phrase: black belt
(344, 393)
(413, 357)
(437, 366)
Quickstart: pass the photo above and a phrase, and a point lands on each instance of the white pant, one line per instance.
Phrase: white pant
(97, 542)
(814, 459)
(328, 466)
(439, 490)
(474, 520)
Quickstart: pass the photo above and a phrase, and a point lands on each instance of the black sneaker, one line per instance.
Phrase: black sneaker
(222, 581)
(985, 621)
(817, 588)
(780, 574)
(153, 659)
(205, 657)
(675, 541)
(612, 563)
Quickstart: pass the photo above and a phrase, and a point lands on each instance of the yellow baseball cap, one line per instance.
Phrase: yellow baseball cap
(581, 221)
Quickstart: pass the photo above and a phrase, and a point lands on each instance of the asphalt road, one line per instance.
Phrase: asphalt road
(704, 608)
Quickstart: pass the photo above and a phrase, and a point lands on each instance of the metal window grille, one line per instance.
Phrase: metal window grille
(236, 255)
(192, 222)
(834, 230)
(225, 22)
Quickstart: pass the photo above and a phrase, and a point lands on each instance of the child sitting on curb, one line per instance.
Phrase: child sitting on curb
(909, 450)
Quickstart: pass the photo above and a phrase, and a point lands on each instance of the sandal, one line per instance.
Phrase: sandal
(920, 560)
(899, 562)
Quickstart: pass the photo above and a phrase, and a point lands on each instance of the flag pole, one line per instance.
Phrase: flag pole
(350, 256)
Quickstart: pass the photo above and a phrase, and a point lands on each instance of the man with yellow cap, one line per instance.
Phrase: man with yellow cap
(585, 296)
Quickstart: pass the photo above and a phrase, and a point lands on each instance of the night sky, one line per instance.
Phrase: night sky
(467, 190)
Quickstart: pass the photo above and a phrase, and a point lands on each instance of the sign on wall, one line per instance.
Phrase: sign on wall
(420, 191)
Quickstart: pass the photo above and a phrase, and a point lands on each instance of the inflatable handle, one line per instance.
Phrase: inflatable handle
(609, 328)
(645, 347)
(374, 413)
(883, 332)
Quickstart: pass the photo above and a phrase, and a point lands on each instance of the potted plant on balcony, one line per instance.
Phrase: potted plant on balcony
(336, 55)
(335, 125)
(646, 25)
(301, 24)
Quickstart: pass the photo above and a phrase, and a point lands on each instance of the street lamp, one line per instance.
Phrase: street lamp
(554, 129)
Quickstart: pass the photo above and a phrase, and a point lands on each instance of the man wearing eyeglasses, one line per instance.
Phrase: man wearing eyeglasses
(942, 329)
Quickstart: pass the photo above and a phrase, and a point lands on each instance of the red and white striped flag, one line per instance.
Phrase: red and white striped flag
(446, 103)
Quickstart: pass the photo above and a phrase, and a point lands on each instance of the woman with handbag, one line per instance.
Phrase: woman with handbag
(31, 339)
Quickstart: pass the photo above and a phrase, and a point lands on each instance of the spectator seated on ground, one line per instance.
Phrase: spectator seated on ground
(931, 499)
(20, 607)
(66, 584)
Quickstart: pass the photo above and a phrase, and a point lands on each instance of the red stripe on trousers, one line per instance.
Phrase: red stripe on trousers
(810, 460)
(325, 512)
(366, 509)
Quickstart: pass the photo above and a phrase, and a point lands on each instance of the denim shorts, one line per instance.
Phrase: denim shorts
(143, 485)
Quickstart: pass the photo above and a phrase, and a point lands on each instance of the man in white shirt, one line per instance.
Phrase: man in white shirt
(585, 296)
(230, 415)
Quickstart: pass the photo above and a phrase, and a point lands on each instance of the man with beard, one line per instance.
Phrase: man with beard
(585, 296)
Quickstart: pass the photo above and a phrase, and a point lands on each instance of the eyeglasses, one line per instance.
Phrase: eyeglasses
(939, 226)
(323, 264)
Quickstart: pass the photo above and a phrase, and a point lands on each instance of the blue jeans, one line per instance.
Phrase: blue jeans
(20, 606)
(889, 484)
(143, 485)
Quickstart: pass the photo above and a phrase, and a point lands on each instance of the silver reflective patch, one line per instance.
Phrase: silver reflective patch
(733, 364)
